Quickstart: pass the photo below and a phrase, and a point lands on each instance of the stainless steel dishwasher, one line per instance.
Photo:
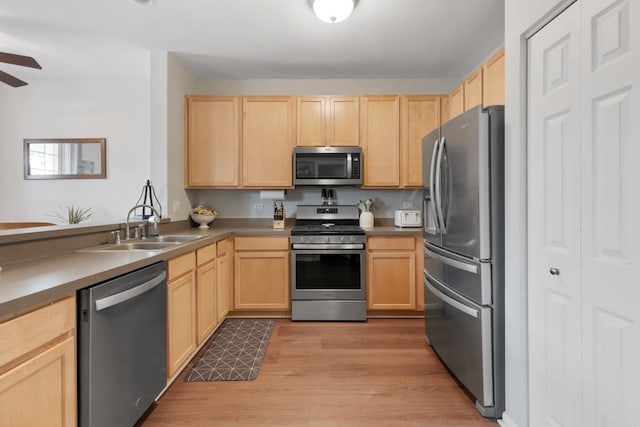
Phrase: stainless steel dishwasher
(122, 347)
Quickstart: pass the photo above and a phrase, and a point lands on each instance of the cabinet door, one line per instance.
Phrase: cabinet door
(391, 280)
(181, 321)
(267, 141)
(212, 139)
(311, 112)
(419, 115)
(379, 122)
(445, 111)
(344, 118)
(224, 283)
(206, 300)
(493, 75)
(456, 101)
(473, 90)
(261, 280)
(41, 391)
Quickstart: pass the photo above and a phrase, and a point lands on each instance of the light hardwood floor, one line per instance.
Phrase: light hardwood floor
(377, 373)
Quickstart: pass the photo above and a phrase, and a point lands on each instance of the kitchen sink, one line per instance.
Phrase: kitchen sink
(174, 238)
(153, 244)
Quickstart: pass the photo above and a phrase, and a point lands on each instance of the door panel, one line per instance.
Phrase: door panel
(460, 332)
(465, 185)
(469, 278)
(610, 212)
(554, 223)
(429, 152)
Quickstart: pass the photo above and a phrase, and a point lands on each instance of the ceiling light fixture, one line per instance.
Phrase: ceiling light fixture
(143, 2)
(332, 11)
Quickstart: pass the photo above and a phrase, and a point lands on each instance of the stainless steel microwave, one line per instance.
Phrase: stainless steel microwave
(330, 166)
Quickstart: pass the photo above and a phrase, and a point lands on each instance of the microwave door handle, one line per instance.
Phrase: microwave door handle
(432, 186)
(438, 185)
(349, 166)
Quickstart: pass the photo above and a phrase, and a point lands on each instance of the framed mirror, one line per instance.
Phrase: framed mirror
(65, 158)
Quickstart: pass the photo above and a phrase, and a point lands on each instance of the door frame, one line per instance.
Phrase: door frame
(516, 227)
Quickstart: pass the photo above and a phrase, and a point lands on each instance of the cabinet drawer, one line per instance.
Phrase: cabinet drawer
(396, 243)
(206, 254)
(32, 330)
(181, 265)
(223, 247)
(262, 243)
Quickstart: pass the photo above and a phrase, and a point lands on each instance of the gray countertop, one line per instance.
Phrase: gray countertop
(28, 284)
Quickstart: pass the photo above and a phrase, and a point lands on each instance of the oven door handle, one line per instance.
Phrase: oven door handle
(338, 246)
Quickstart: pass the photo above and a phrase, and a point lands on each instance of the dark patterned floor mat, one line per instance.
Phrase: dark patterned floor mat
(235, 352)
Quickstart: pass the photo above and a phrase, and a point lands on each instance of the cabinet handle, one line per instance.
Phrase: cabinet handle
(554, 271)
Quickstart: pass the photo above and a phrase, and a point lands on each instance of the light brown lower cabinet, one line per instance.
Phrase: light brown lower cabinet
(225, 277)
(392, 273)
(261, 270)
(206, 292)
(181, 311)
(38, 368)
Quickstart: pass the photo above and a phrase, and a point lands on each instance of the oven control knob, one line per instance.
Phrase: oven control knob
(341, 239)
(353, 239)
(326, 239)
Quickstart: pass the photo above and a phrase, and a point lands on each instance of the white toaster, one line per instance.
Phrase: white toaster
(408, 218)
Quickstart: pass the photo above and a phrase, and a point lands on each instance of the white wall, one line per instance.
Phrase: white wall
(117, 110)
(326, 86)
(520, 17)
(170, 82)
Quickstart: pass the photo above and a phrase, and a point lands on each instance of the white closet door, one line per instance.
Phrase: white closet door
(554, 223)
(611, 212)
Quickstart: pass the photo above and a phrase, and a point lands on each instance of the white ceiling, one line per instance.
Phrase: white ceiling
(248, 39)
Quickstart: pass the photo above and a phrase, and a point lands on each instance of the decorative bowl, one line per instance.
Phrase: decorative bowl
(203, 220)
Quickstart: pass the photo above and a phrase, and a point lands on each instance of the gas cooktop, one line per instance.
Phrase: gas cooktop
(326, 220)
(327, 228)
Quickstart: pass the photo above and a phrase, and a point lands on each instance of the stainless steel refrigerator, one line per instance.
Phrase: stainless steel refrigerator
(463, 202)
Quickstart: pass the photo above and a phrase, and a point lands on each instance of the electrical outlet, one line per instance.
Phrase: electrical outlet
(258, 206)
(176, 206)
(407, 205)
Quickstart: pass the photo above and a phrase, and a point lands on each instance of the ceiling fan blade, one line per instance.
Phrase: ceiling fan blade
(24, 61)
(10, 80)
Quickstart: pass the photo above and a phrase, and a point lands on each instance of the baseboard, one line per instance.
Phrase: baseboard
(506, 421)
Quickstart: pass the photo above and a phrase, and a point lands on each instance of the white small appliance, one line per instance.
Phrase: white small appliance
(408, 218)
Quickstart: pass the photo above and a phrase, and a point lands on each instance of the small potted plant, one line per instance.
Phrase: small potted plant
(366, 216)
(72, 214)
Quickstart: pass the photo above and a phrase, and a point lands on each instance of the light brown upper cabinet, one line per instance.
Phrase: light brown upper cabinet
(493, 88)
(419, 115)
(212, 141)
(379, 130)
(456, 101)
(473, 90)
(268, 138)
(327, 121)
(444, 109)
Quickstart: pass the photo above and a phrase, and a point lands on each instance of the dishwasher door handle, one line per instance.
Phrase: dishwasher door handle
(123, 296)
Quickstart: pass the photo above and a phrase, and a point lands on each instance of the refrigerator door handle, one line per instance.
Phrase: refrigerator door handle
(438, 185)
(434, 199)
(452, 262)
(453, 303)
(123, 296)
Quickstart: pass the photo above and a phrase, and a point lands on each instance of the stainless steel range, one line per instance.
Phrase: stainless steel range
(328, 264)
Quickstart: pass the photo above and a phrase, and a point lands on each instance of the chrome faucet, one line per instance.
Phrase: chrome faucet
(127, 232)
